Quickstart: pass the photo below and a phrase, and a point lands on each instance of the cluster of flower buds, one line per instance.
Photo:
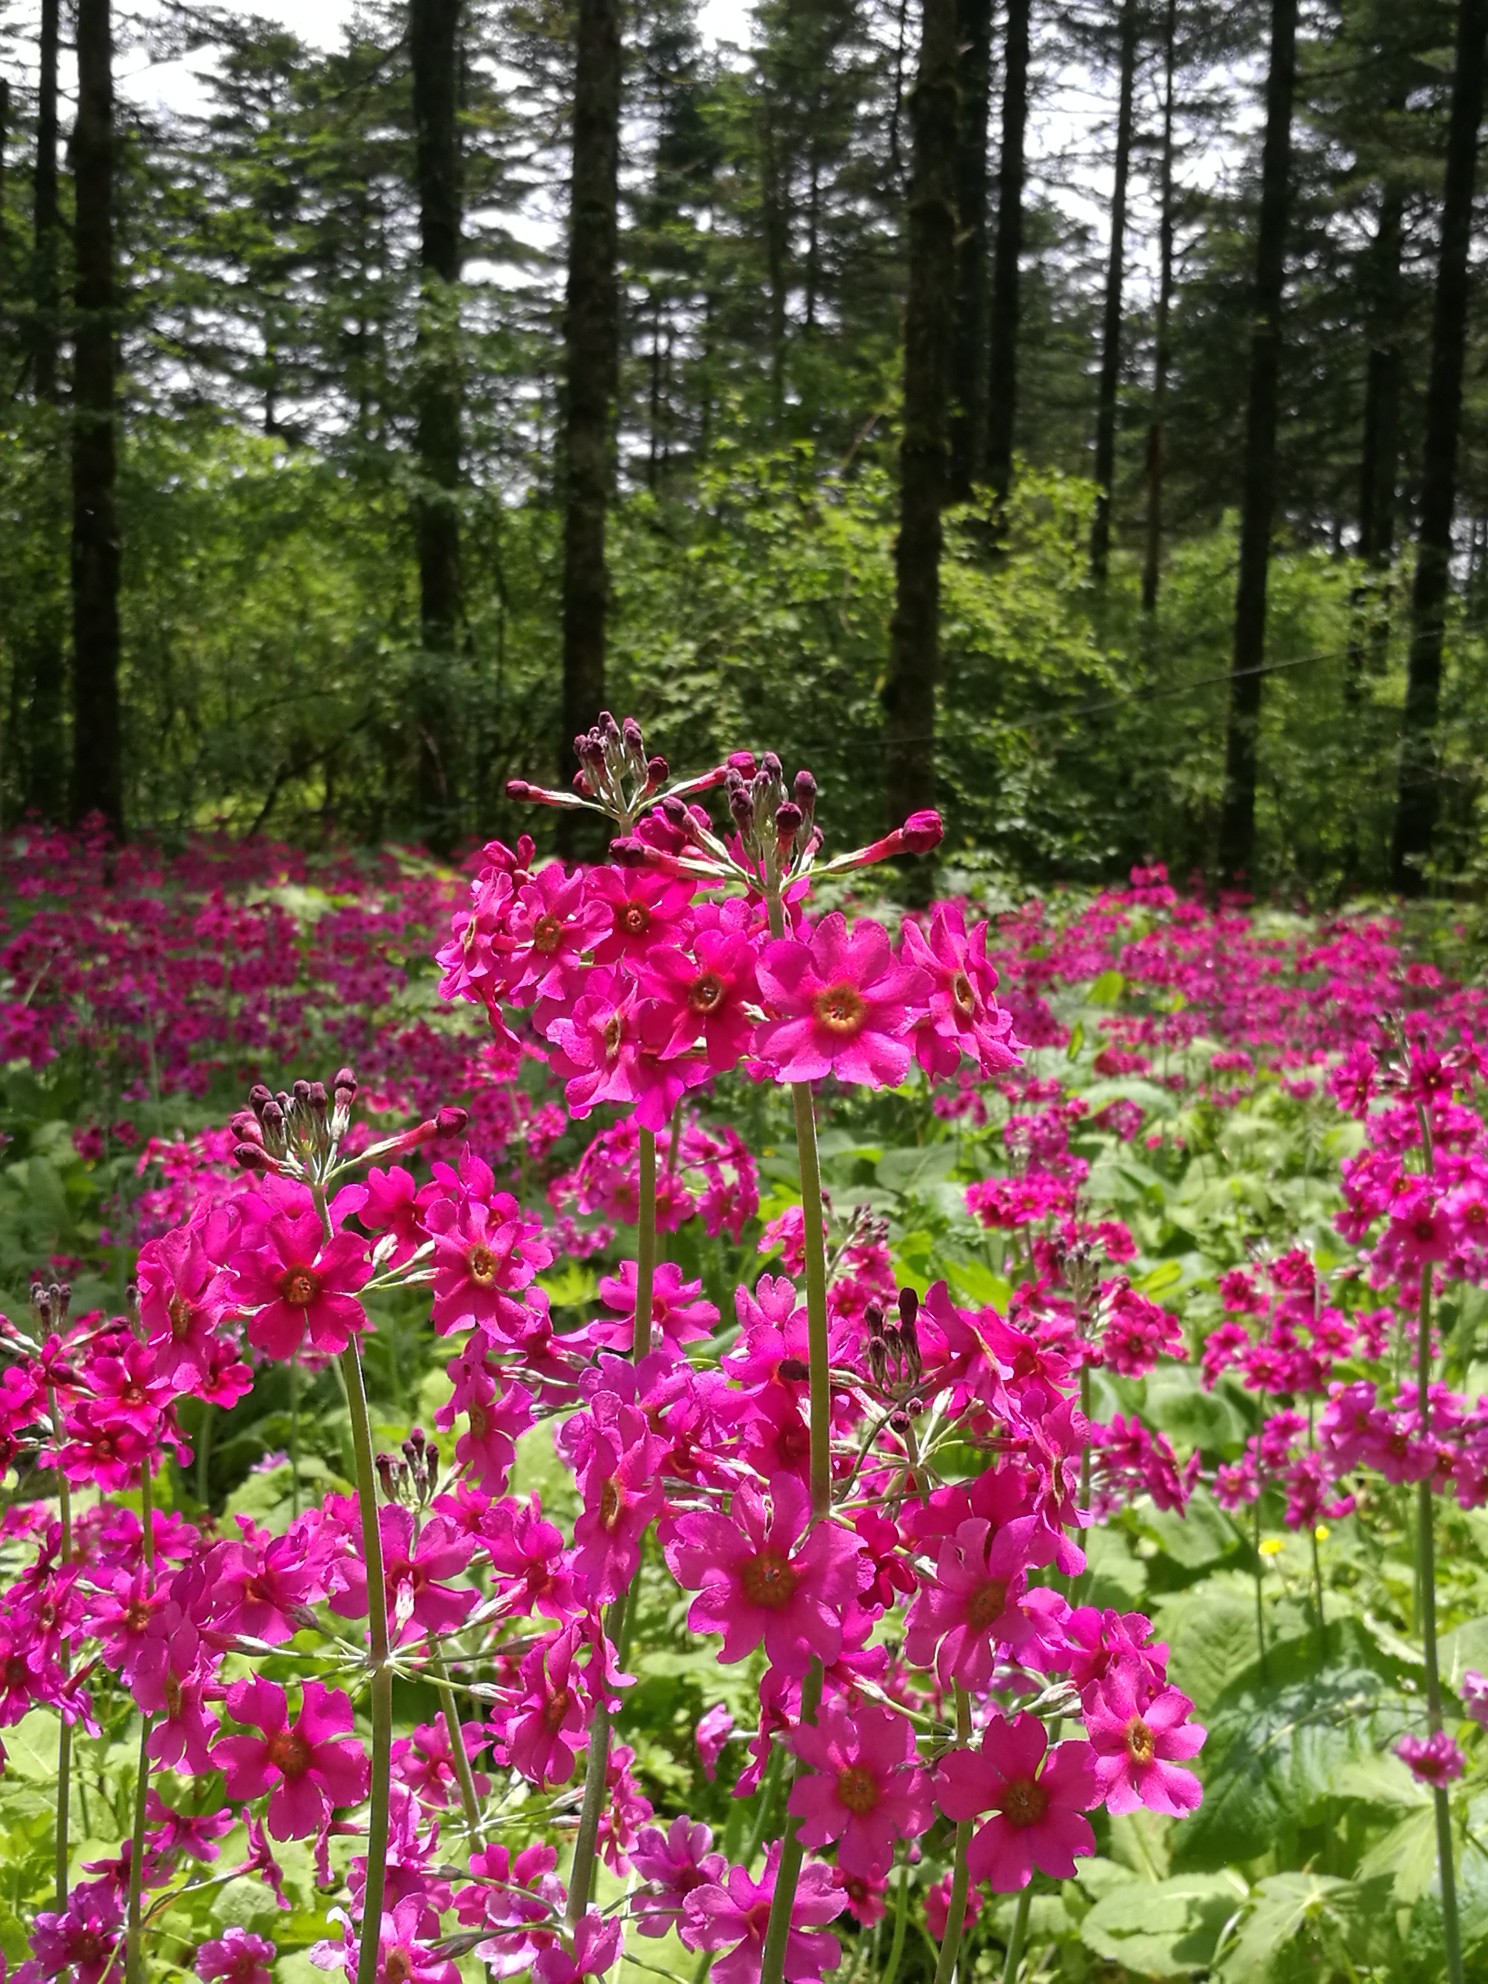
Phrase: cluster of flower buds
(892, 1351)
(411, 1475)
(296, 1131)
(616, 776)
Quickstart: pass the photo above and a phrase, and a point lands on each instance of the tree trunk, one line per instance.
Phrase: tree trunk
(1379, 453)
(44, 662)
(1237, 819)
(1416, 804)
(775, 225)
(593, 340)
(1162, 343)
(1002, 385)
(1110, 370)
(97, 745)
(969, 375)
(914, 633)
(434, 47)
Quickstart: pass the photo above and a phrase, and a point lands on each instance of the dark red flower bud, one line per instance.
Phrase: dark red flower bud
(449, 1120)
(922, 832)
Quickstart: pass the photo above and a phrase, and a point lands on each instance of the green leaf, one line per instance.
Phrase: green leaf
(1163, 1928)
(924, 1164)
(1202, 1534)
(1106, 990)
(1282, 1907)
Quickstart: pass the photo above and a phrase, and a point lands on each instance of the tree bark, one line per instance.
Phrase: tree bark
(1237, 819)
(1162, 343)
(909, 692)
(1379, 454)
(97, 744)
(44, 663)
(775, 226)
(1110, 369)
(1002, 384)
(434, 46)
(969, 371)
(592, 339)
(1417, 800)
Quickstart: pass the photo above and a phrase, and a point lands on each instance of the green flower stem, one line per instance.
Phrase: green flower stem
(377, 1660)
(134, 1961)
(596, 1773)
(950, 1948)
(901, 1923)
(1426, 1564)
(792, 1853)
(597, 1758)
(1017, 1937)
(645, 1248)
(816, 1300)
(469, 1800)
(133, 1950)
(64, 1734)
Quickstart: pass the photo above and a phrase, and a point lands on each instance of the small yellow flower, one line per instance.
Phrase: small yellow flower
(1271, 1546)
(1321, 1532)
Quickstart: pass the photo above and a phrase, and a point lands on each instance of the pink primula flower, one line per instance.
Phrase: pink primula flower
(235, 1957)
(1037, 1798)
(307, 1770)
(841, 1004)
(298, 1283)
(1139, 1747)
(733, 1914)
(864, 1787)
(769, 1574)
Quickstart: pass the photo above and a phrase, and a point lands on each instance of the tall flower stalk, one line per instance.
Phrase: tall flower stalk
(381, 1673)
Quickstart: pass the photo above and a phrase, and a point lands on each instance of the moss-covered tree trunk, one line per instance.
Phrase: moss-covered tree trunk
(969, 372)
(1007, 254)
(1110, 366)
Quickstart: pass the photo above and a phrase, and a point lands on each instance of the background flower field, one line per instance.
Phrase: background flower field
(1197, 1115)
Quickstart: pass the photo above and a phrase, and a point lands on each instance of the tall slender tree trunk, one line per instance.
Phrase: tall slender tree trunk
(97, 743)
(1110, 369)
(1417, 801)
(1379, 454)
(969, 373)
(1007, 254)
(1162, 337)
(1237, 819)
(914, 635)
(44, 661)
(775, 225)
(592, 375)
(434, 46)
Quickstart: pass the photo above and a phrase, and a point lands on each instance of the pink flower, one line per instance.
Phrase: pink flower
(1474, 1692)
(963, 1014)
(484, 1255)
(237, 1957)
(713, 1731)
(297, 1281)
(308, 1769)
(841, 1004)
(1037, 1798)
(1138, 1747)
(971, 1609)
(1433, 1760)
(622, 1497)
(702, 998)
(596, 1944)
(672, 1864)
(768, 1575)
(734, 1913)
(865, 1788)
(419, 1568)
(82, 1942)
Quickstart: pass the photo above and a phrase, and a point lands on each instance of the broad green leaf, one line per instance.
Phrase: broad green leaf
(1282, 1907)
(1166, 1928)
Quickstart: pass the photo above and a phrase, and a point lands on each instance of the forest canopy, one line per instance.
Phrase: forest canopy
(369, 426)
